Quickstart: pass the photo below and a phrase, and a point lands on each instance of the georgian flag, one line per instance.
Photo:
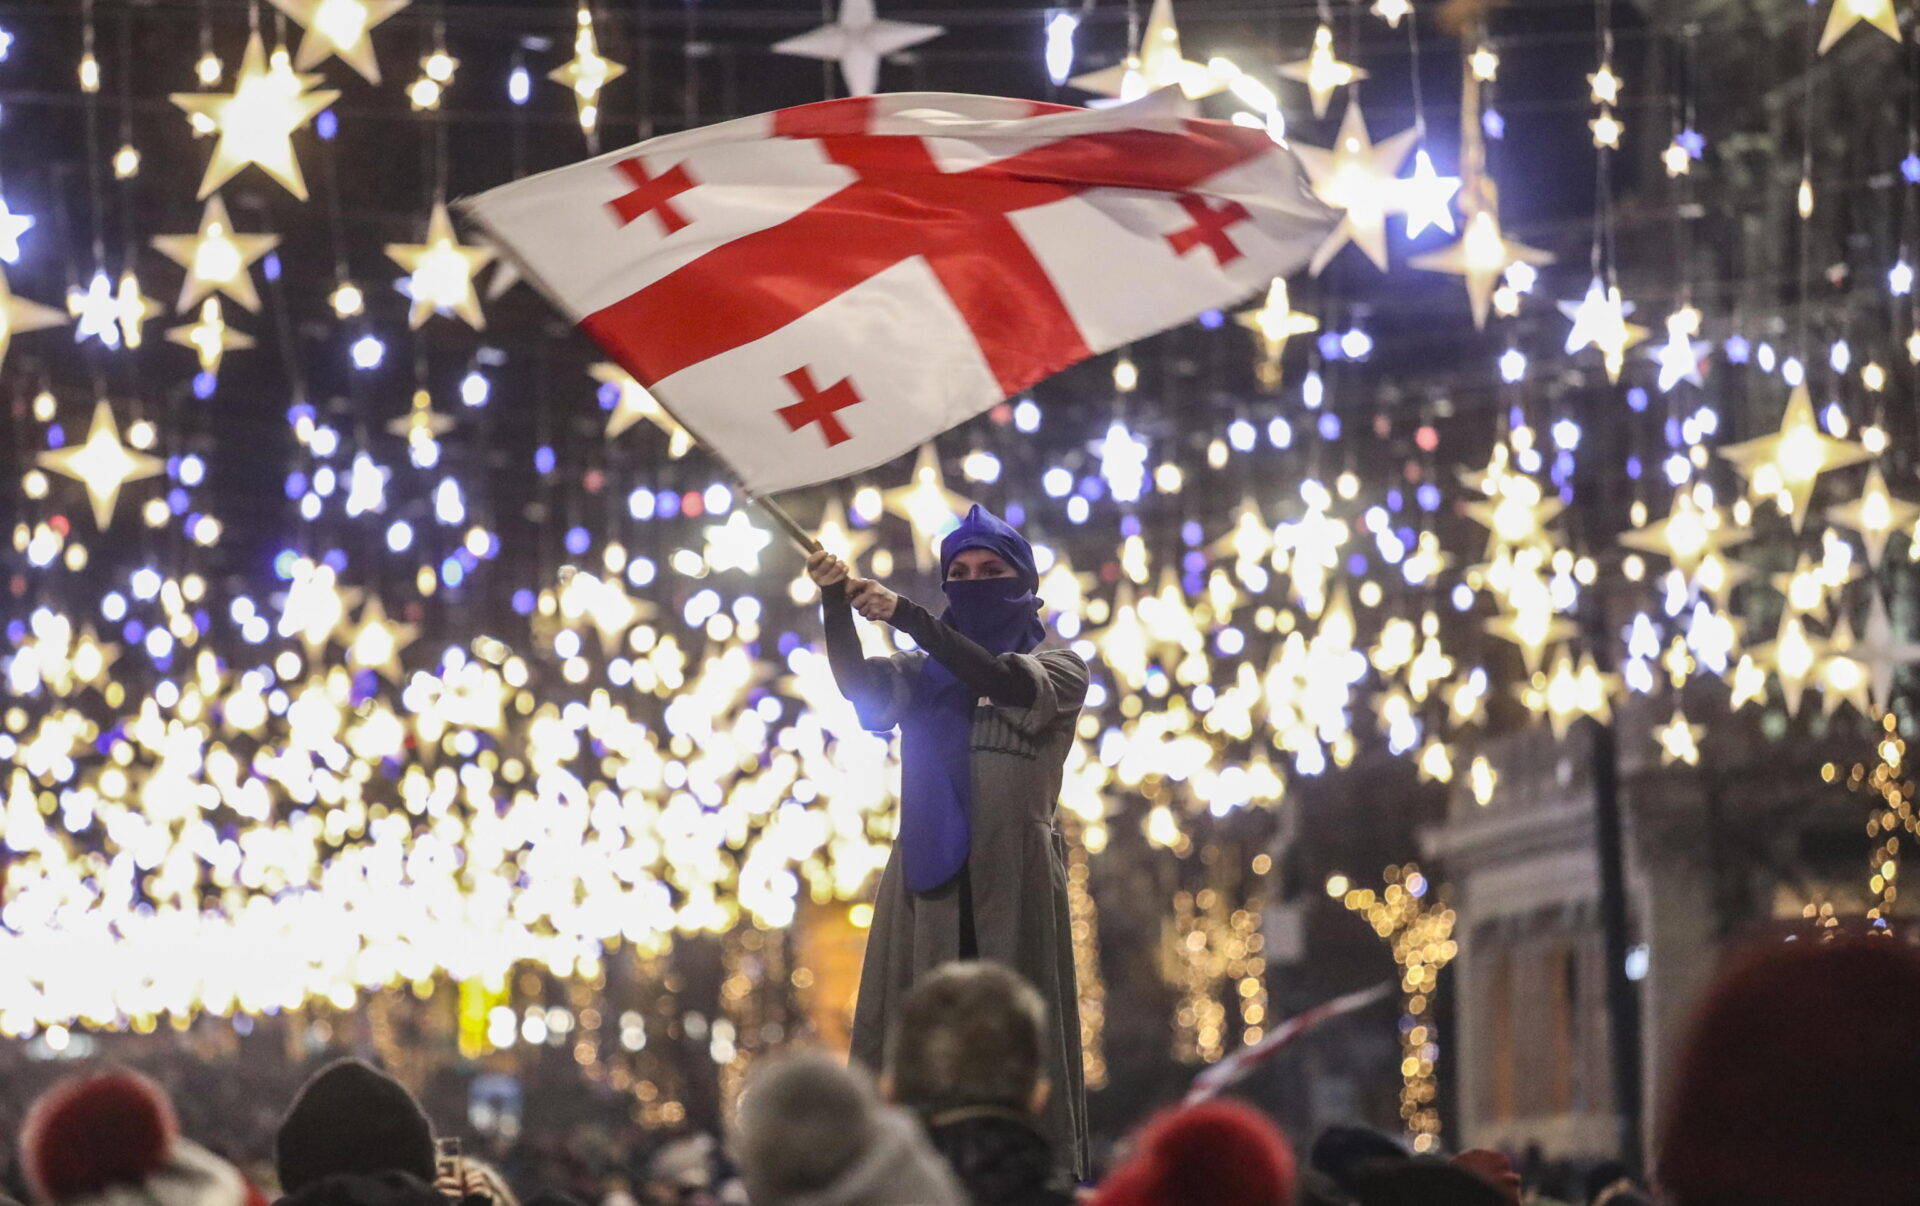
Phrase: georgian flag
(815, 291)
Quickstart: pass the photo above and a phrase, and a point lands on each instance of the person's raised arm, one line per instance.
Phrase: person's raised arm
(998, 678)
(858, 680)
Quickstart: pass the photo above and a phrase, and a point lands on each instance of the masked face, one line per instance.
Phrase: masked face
(998, 613)
(972, 565)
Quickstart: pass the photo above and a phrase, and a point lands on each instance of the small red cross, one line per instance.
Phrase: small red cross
(1209, 229)
(652, 194)
(818, 405)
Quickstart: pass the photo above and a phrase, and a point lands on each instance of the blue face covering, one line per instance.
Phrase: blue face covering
(1003, 616)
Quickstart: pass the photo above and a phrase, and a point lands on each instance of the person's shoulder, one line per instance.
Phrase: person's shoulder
(1060, 655)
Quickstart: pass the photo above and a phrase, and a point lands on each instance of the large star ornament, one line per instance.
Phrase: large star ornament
(216, 258)
(1876, 515)
(1357, 175)
(636, 402)
(257, 119)
(1883, 653)
(858, 40)
(340, 27)
(1322, 71)
(1785, 465)
(1480, 258)
(1158, 65)
(586, 73)
(102, 464)
(1681, 357)
(441, 272)
(18, 315)
(1426, 197)
(1848, 13)
(12, 226)
(1600, 321)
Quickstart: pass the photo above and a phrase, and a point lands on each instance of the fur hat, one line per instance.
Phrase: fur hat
(353, 1118)
(1795, 1087)
(1222, 1153)
(93, 1138)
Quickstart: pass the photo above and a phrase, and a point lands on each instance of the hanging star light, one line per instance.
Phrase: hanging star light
(1793, 657)
(317, 607)
(1876, 515)
(1533, 627)
(1785, 465)
(1358, 176)
(1322, 72)
(12, 226)
(1158, 65)
(95, 311)
(1605, 85)
(586, 73)
(377, 643)
(1681, 358)
(1688, 535)
(1844, 677)
(1427, 197)
(216, 257)
(636, 402)
(840, 538)
(1679, 741)
(442, 271)
(736, 544)
(858, 40)
(210, 336)
(926, 503)
(1516, 512)
(1481, 257)
(102, 464)
(1848, 13)
(339, 27)
(1276, 321)
(18, 315)
(257, 119)
(1804, 588)
(1677, 159)
(1600, 321)
(1392, 11)
(1883, 653)
(132, 309)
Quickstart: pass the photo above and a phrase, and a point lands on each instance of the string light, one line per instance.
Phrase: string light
(1419, 932)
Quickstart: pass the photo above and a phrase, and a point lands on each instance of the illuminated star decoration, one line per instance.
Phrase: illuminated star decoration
(836, 536)
(1158, 65)
(1481, 257)
(1274, 323)
(1358, 176)
(340, 27)
(12, 226)
(102, 464)
(635, 403)
(1793, 656)
(441, 273)
(1688, 535)
(377, 643)
(18, 315)
(211, 337)
(95, 311)
(858, 40)
(1785, 465)
(1427, 197)
(586, 73)
(1883, 653)
(216, 258)
(257, 119)
(1876, 515)
(1600, 321)
(132, 309)
(1679, 741)
(926, 504)
(1844, 677)
(1848, 13)
(736, 544)
(1680, 357)
(1322, 72)
(1392, 11)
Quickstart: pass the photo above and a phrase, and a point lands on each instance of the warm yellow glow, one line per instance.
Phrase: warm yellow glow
(587, 72)
(441, 273)
(257, 119)
(102, 464)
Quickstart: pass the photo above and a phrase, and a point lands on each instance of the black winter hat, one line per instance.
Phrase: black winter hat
(352, 1118)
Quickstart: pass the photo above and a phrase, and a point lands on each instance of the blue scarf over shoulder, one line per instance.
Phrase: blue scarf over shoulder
(1003, 616)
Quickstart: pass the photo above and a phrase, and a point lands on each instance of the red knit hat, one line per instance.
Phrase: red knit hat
(1221, 1153)
(90, 1134)
(1796, 1086)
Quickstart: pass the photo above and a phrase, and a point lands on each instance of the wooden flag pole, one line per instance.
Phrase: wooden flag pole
(785, 522)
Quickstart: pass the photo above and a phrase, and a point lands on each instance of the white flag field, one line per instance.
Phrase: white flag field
(815, 291)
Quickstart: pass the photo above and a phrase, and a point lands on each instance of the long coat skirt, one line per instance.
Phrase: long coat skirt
(1016, 872)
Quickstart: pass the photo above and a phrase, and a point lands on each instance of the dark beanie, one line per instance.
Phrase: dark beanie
(1796, 1084)
(352, 1118)
(1421, 1182)
(1342, 1151)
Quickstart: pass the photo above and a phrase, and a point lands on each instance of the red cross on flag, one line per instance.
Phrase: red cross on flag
(816, 291)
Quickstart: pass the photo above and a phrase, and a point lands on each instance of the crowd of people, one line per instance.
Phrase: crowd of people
(1795, 1088)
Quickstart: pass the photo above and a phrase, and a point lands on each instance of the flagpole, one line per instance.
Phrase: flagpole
(784, 522)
